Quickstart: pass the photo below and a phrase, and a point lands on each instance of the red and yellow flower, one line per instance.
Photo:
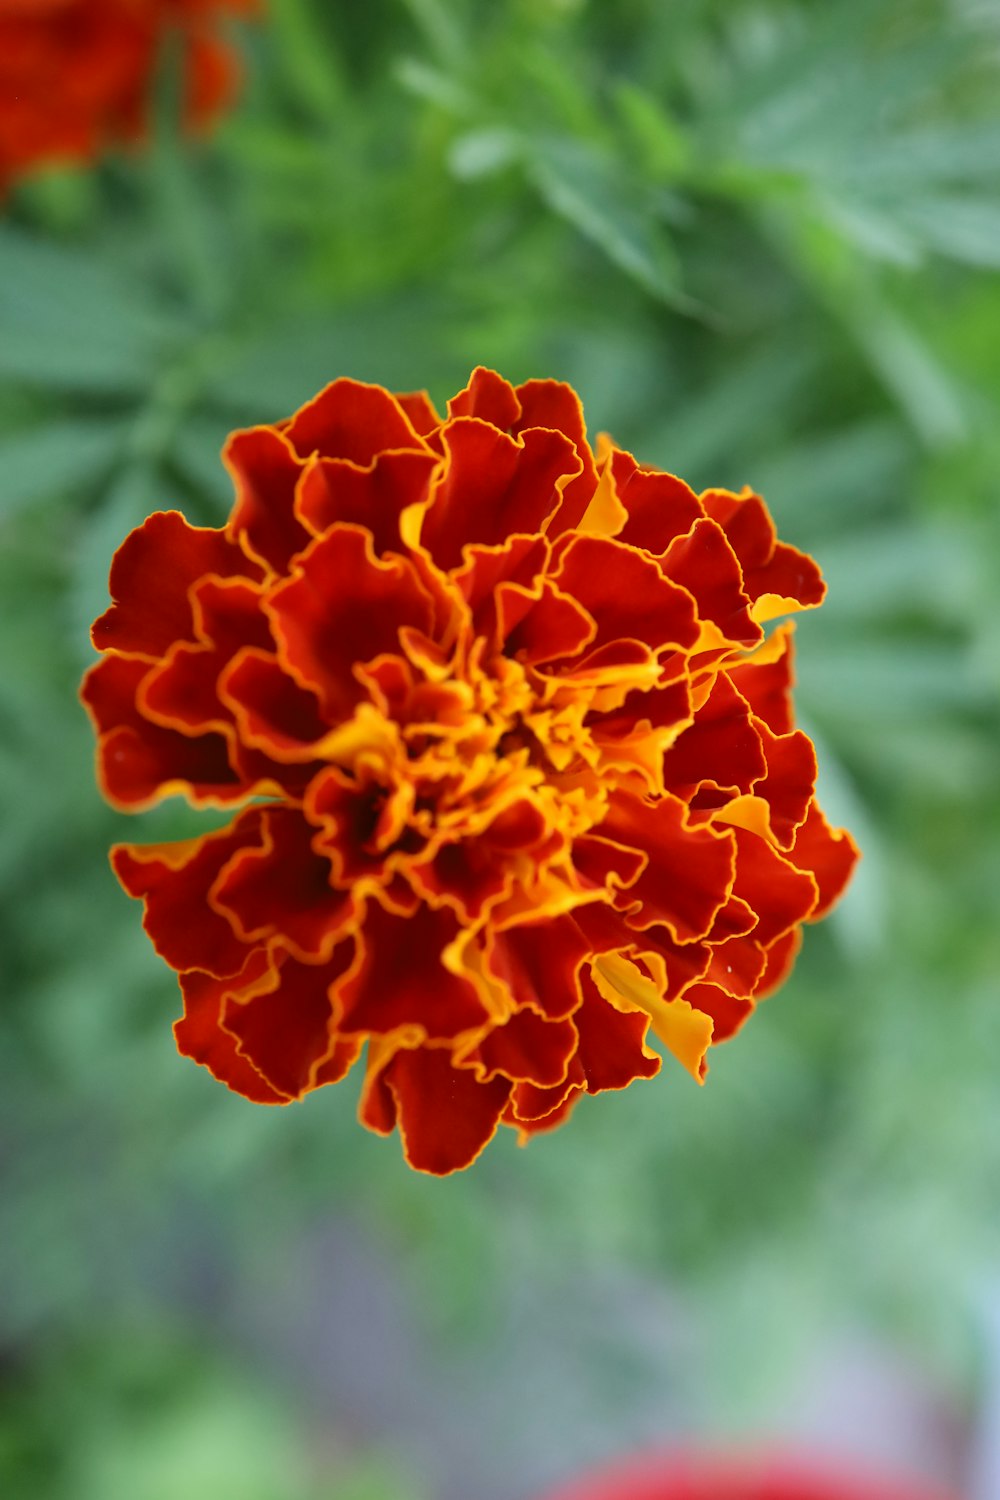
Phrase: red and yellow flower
(76, 75)
(512, 761)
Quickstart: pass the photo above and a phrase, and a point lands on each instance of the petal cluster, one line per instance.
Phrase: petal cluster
(76, 75)
(515, 782)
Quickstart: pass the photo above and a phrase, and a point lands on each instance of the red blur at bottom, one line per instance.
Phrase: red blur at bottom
(688, 1476)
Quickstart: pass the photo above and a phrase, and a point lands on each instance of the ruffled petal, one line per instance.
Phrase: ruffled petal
(400, 978)
(493, 486)
(280, 887)
(139, 762)
(283, 1025)
(445, 1115)
(152, 574)
(199, 1034)
(344, 605)
(828, 854)
(174, 881)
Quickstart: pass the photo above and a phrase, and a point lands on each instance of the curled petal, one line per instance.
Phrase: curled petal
(151, 578)
(657, 507)
(183, 692)
(199, 1034)
(445, 1115)
(273, 712)
(283, 1025)
(344, 605)
(626, 594)
(399, 978)
(778, 578)
(780, 894)
(265, 470)
(334, 489)
(539, 963)
(527, 1048)
(720, 749)
(493, 486)
(829, 855)
(704, 562)
(174, 880)
(350, 419)
(689, 871)
(281, 887)
(612, 1042)
(790, 782)
(766, 678)
(139, 762)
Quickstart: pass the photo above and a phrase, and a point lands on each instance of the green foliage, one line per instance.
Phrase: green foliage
(760, 238)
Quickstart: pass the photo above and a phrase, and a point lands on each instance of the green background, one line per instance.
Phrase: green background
(761, 240)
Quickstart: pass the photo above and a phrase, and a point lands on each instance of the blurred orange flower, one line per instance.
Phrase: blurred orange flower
(517, 777)
(76, 75)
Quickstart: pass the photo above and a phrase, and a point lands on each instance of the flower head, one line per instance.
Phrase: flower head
(514, 764)
(76, 75)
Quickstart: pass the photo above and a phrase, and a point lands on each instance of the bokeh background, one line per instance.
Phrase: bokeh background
(761, 238)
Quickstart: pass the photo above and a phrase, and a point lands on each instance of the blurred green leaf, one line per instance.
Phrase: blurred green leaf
(72, 321)
(55, 458)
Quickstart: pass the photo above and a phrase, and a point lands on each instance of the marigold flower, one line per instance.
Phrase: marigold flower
(76, 75)
(514, 761)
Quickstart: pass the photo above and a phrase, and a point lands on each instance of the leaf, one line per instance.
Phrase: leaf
(71, 321)
(585, 187)
(59, 457)
(964, 229)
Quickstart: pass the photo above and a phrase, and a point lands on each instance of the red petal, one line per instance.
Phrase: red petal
(493, 486)
(690, 871)
(282, 888)
(418, 408)
(333, 490)
(612, 1046)
(830, 856)
(660, 506)
(520, 559)
(728, 1012)
(779, 960)
(767, 685)
(528, 1048)
(199, 1033)
(703, 561)
(182, 693)
(790, 782)
(769, 566)
(350, 419)
(138, 761)
(550, 626)
(544, 1108)
(399, 978)
(552, 404)
(343, 605)
(604, 863)
(284, 1028)
(781, 895)
(446, 1117)
(351, 813)
(720, 749)
(736, 966)
(174, 881)
(273, 713)
(490, 398)
(265, 470)
(625, 592)
(151, 575)
(540, 964)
